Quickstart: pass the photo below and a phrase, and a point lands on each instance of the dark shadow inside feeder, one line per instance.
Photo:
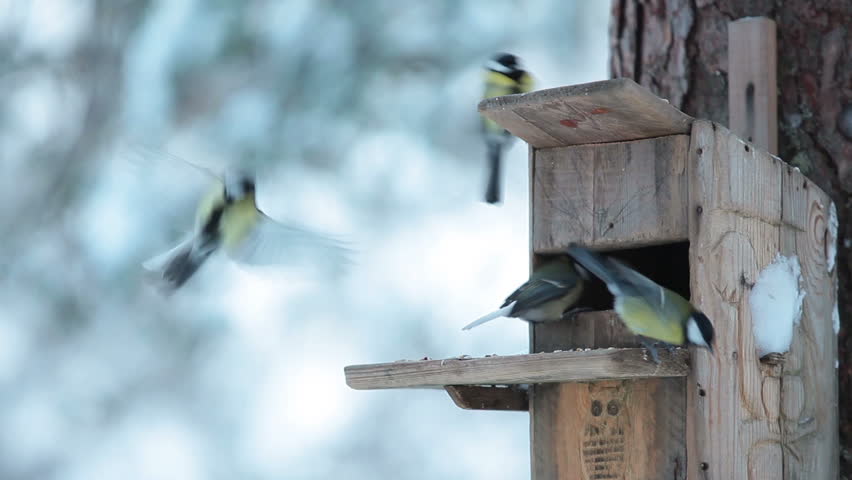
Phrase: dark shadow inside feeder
(668, 265)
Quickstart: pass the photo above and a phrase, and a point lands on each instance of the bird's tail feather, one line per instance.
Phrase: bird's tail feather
(492, 190)
(491, 316)
(595, 263)
(183, 266)
(159, 262)
(177, 265)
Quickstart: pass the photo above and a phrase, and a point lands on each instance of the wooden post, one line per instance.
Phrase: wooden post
(752, 84)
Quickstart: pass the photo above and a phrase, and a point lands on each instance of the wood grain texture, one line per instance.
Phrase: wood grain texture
(586, 330)
(572, 433)
(735, 226)
(617, 195)
(808, 404)
(598, 112)
(611, 430)
(574, 366)
(679, 49)
(752, 82)
(476, 397)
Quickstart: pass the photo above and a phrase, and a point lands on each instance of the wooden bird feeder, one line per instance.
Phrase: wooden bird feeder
(701, 211)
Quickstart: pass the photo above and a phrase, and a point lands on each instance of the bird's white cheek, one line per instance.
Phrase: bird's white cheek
(694, 333)
(497, 67)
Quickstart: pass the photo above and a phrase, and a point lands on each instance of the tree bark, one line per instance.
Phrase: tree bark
(678, 49)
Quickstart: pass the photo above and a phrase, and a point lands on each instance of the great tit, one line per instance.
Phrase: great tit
(503, 76)
(648, 309)
(550, 291)
(228, 219)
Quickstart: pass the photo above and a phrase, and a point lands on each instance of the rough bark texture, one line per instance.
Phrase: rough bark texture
(678, 48)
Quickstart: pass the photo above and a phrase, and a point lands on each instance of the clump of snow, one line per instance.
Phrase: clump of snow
(835, 318)
(831, 250)
(776, 305)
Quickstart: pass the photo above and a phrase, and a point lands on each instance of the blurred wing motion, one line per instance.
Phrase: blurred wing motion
(269, 242)
(227, 218)
(647, 308)
(159, 168)
(167, 185)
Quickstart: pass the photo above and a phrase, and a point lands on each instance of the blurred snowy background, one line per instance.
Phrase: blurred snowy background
(364, 113)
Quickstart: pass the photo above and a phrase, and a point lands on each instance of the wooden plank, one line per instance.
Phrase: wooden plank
(475, 397)
(586, 330)
(808, 384)
(735, 216)
(598, 112)
(617, 195)
(573, 366)
(613, 429)
(571, 429)
(752, 82)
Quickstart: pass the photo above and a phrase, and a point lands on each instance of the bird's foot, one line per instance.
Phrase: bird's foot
(652, 350)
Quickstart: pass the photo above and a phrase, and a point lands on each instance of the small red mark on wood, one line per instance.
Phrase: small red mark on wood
(599, 111)
(569, 123)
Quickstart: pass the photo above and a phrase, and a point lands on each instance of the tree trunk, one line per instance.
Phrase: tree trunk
(678, 49)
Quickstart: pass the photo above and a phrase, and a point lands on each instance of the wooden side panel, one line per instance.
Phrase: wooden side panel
(563, 197)
(735, 217)
(809, 380)
(598, 112)
(611, 430)
(615, 429)
(752, 81)
(586, 329)
(617, 195)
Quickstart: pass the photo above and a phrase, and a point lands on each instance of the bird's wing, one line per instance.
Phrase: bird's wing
(645, 320)
(620, 279)
(537, 292)
(634, 284)
(271, 242)
(599, 265)
(160, 165)
(167, 185)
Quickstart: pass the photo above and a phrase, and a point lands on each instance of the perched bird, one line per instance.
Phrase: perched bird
(648, 309)
(551, 289)
(503, 76)
(228, 219)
